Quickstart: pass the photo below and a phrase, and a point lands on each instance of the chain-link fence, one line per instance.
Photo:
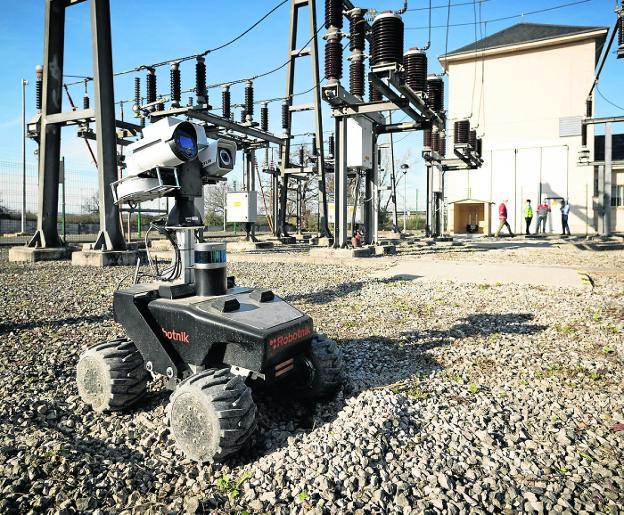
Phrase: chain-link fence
(78, 205)
(77, 211)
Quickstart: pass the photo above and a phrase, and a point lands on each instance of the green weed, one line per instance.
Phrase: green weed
(231, 487)
(565, 329)
(612, 329)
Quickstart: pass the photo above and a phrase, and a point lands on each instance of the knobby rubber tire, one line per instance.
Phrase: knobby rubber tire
(328, 373)
(211, 415)
(111, 376)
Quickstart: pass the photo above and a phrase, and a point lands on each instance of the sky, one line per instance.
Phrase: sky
(150, 31)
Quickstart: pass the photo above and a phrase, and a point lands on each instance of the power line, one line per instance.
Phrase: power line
(249, 29)
(607, 100)
(521, 15)
(448, 22)
(195, 56)
(482, 35)
(441, 6)
(206, 52)
(476, 59)
(269, 72)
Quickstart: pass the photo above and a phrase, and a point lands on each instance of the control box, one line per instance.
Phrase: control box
(359, 143)
(242, 207)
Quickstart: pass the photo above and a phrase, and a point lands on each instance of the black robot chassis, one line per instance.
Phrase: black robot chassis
(213, 341)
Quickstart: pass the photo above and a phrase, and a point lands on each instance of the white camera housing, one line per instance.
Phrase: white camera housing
(218, 158)
(166, 143)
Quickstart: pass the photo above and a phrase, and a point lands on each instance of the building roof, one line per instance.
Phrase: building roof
(617, 148)
(470, 201)
(522, 33)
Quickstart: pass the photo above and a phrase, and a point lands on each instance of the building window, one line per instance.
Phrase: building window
(596, 177)
(617, 195)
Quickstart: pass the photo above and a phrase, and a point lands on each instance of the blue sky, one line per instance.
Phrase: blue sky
(148, 31)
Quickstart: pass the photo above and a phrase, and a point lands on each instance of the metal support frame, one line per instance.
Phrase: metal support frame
(340, 184)
(429, 207)
(371, 200)
(250, 185)
(221, 125)
(605, 174)
(47, 127)
(293, 54)
(393, 183)
(111, 235)
(50, 133)
(467, 159)
(386, 79)
(605, 197)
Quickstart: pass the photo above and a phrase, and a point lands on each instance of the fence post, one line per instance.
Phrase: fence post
(62, 181)
(139, 222)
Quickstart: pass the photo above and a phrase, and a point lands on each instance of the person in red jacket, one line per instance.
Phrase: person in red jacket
(502, 216)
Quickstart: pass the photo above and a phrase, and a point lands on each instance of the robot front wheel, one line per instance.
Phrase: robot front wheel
(111, 376)
(212, 413)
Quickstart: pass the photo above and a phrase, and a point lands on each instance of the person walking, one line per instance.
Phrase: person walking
(528, 215)
(502, 216)
(542, 216)
(565, 211)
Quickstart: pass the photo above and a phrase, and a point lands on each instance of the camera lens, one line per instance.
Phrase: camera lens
(225, 158)
(184, 142)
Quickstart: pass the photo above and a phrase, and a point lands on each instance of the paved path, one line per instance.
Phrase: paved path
(485, 273)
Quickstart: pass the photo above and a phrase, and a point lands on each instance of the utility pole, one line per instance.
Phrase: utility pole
(395, 217)
(24, 84)
(416, 210)
(404, 167)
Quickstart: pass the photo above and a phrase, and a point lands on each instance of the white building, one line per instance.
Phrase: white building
(524, 89)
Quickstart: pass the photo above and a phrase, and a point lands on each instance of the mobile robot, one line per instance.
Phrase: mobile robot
(190, 323)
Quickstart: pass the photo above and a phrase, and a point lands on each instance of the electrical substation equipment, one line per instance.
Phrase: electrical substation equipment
(398, 80)
(360, 148)
(242, 207)
(620, 29)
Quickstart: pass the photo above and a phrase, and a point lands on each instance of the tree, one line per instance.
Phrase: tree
(91, 205)
(215, 203)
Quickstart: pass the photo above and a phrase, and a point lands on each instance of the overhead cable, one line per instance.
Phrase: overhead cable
(195, 56)
(521, 15)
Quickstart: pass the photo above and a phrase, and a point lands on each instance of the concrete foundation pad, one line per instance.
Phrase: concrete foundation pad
(341, 253)
(484, 273)
(162, 244)
(246, 246)
(384, 250)
(99, 258)
(391, 235)
(24, 254)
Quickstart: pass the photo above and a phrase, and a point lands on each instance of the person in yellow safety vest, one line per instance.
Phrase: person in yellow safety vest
(528, 215)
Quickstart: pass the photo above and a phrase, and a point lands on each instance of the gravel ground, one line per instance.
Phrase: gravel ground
(546, 252)
(459, 398)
